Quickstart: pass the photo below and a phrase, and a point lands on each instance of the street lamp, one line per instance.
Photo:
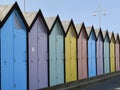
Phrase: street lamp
(24, 5)
(99, 13)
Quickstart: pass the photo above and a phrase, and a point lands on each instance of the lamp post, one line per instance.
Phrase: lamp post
(99, 13)
(24, 5)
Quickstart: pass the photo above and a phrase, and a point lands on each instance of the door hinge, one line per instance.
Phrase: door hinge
(38, 81)
(56, 40)
(14, 60)
(38, 38)
(14, 35)
(31, 61)
(14, 85)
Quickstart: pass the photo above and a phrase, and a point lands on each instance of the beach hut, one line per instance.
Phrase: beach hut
(13, 48)
(82, 42)
(56, 51)
(117, 52)
(99, 51)
(106, 52)
(91, 51)
(112, 52)
(38, 50)
(70, 51)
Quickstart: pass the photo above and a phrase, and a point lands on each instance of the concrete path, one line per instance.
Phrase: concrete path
(109, 84)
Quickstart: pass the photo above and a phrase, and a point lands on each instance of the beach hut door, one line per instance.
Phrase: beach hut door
(60, 59)
(52, 61)
(42, 60)
(20, 60)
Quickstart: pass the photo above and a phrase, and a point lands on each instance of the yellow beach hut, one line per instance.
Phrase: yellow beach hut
(112, 52)
(70, 51)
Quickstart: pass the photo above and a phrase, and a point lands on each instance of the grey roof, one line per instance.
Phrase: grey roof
(4, 9)
(50, 21)
(29, 17)
(110, 35)
(97, 32)
(88, 30)
(65, 25)
(116, 35)
(78, 27)
(104, 33)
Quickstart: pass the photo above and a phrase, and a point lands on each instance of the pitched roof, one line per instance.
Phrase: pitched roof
(88, 29)
(4, 9)
(104, 34)
(110, 35)
(29, 17)
(50, 21)
(97, 32)
(65, 25)
(78, 28)
(116, 36)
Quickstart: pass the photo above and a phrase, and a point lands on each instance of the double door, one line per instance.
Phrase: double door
(99, 57)
(71, 64)
(112, 57)
(38, 60)
(117, 56)
(56, 60)
(14, 68)
(92, 58)
(82, 58)
(106, 57)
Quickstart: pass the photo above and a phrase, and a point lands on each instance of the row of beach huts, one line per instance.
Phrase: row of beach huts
(38, 52)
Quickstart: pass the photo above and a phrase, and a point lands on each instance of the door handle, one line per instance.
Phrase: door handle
(14, 85)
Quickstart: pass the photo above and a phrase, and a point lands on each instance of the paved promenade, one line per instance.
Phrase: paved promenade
(109, 84)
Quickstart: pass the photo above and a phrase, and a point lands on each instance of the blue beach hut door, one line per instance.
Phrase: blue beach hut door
(19, 60)
(19, 68)
(92, 55)
(7, 55)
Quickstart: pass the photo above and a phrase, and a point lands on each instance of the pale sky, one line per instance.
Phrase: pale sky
(79, 10)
